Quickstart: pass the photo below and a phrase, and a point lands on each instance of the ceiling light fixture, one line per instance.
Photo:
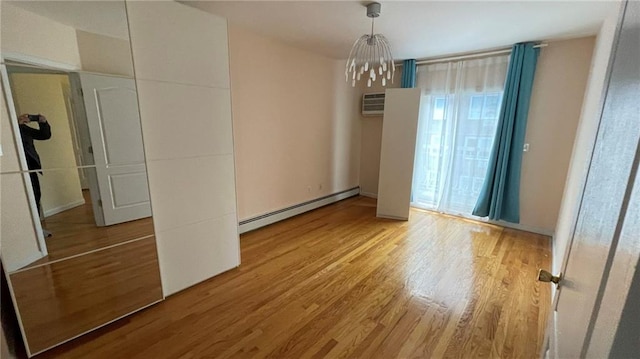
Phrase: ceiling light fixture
(370, 55)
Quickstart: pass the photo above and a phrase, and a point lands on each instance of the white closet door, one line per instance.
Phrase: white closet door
(399, 128)
(182, 71)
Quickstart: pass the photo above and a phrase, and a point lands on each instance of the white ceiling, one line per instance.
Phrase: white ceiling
(416, 29)
(107, 18)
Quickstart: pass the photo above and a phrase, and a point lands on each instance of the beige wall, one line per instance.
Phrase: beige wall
(296, 124)
(42, 93)
(371, 141)
(556, 100)
(104, 54)
(49, 40)
(57, 43)
(4, 348)
(585, 137)
(561, 77)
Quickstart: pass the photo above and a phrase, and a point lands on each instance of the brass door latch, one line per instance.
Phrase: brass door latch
(544, 276)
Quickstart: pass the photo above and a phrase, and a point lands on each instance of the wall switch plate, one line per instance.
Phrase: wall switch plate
(525, 148)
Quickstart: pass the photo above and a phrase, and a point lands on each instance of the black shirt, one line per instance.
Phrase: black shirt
(29, 134)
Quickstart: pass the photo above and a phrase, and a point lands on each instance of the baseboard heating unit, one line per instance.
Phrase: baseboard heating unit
(279, 215)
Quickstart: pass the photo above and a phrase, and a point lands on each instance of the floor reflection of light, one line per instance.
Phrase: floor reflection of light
(442, 259)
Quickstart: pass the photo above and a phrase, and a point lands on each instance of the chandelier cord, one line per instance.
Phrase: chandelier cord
(372, 20)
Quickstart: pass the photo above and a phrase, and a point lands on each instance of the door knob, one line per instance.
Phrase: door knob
(544, 276)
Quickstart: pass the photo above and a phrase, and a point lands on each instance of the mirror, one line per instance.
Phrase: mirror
(77, 234)
(71, 132)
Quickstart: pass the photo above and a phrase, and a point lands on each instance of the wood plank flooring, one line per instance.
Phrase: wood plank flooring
(75, 232)
(340, 283)
(65, 299)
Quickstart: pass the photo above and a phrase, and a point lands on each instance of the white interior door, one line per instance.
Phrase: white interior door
(111, 106)
(75, 134)
(604, 212)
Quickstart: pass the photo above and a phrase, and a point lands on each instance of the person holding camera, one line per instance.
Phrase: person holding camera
(29, 134)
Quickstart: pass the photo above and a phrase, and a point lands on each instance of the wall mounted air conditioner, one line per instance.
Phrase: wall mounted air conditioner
(373, 104)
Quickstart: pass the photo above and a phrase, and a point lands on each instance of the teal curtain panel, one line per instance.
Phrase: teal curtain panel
(408, 74)
(500, 195)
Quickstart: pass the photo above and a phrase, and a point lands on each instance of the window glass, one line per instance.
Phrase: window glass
(475, 107)
(491, 108)
(438, 108)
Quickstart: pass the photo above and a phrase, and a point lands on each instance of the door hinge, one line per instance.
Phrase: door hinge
(99, 203)
(90, 149)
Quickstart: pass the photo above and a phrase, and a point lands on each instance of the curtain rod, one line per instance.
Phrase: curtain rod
(471, 55)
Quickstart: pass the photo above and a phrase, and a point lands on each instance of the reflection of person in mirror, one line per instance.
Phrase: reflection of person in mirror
(29, 134)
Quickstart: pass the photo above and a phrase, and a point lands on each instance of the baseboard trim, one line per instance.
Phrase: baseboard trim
(56, 210)
(282, 214)
(518, 226)
(369, 194)
(524, 227)
(392, 217)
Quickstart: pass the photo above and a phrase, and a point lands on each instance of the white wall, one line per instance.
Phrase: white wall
(585, 137)
(296, 127)
(182, 73)
(48, 40)
(62, 44)
(104, 54)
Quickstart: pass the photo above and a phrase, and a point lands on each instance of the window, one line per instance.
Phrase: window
(491, 108)
(438, 108)
(432, 178)
(481, 166)
(456, 131)
(464, 183)
(484, 147)
(484, 106)
(434, 145)
(477, 185)
(470, 147)
(477, 147)
(475, 107)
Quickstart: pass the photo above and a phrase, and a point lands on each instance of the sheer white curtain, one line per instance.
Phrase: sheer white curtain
(456, 129)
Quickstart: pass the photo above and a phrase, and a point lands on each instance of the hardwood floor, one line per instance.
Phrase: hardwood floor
(340, 283)
(67, 298)
(75, 232)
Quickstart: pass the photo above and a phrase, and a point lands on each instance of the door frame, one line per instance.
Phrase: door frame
(80, 116)
(46, 67)
(41, 64)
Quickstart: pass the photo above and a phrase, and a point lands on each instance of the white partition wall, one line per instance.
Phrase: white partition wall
(399, 128)
(182, 70)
